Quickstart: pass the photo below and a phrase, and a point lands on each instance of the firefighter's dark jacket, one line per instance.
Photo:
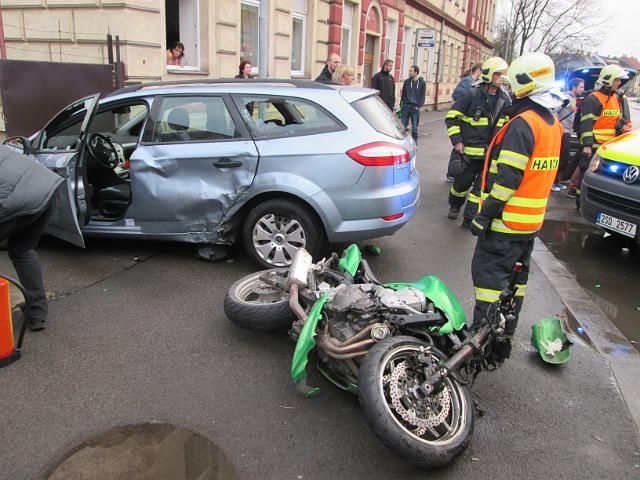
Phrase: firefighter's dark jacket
(519, 139)
(472, 119)
(592, 109)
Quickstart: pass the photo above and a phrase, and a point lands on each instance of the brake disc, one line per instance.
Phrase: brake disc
(421, 413)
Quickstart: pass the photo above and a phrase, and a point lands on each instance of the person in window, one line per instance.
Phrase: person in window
(175, 54)
(26, 189)
(244, 70)
(343, 75)
(383, 82)
(327, 72)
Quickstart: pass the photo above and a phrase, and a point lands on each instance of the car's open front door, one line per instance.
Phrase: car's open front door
(60, 146)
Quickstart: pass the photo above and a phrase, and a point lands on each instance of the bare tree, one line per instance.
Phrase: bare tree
(549, 26)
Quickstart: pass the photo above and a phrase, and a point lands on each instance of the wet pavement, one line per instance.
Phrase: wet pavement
(144, 452)
(607, 267)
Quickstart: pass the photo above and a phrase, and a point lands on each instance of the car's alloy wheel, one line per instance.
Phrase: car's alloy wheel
(274, 230)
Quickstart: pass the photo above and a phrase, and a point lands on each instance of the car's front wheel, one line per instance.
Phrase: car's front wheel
(274, 230)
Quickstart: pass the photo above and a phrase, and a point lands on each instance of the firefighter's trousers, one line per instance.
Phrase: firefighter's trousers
(467, 185)
(492, 264)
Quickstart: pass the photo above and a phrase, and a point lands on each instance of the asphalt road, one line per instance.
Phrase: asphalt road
(137, 334)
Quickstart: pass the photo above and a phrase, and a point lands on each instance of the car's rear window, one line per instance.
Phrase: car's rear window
(378, 115)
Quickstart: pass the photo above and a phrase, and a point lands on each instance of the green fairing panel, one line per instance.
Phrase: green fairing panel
(350, 260)
(443, 299)
(306, 341)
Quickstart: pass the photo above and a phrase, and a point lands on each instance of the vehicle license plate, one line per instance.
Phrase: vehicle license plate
(615, 224)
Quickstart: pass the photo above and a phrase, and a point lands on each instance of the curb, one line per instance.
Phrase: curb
(610, 343)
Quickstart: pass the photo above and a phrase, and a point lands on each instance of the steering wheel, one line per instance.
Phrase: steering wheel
(102, 150)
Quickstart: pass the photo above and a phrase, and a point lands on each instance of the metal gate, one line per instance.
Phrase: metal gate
(32, 92)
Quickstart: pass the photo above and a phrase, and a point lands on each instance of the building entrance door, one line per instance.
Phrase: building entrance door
(369, 50)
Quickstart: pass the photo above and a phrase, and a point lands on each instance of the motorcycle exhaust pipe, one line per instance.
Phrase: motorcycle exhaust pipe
(299, 270)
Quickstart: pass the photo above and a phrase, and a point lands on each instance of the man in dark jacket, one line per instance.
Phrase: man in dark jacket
(412, 98)
(333, 60)
(383, 82)
(26, 188)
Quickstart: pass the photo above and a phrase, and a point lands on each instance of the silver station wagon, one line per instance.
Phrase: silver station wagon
(275, 164)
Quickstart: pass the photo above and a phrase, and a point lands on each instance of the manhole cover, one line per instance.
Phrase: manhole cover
(141, 452)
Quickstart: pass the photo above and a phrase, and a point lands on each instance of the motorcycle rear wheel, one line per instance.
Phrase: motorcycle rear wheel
(429, 431)
(255, 305)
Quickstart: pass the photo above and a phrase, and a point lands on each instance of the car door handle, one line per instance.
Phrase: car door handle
(227, 163)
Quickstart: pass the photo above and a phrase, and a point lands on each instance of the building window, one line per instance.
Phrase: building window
(183, 30)
(347, 28)
(408, 49)
(392, 39)
(249, 32)
(298, 34)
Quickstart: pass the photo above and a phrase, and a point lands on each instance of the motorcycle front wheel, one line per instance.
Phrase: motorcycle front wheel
(429, 431)
(254, 304)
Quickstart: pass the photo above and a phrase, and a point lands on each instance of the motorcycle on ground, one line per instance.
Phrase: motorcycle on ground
(403, 348)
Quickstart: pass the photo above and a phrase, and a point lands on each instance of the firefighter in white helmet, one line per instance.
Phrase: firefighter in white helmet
(519, 169)
(471, 123)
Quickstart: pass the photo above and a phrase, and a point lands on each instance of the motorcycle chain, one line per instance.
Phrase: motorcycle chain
(432, 414)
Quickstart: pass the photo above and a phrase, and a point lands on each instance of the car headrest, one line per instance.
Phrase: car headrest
(178, 120)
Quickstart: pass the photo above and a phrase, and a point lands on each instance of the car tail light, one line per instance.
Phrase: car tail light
(379, 154)
(388, 218)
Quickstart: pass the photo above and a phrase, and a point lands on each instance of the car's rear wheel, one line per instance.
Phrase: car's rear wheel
(275, 229)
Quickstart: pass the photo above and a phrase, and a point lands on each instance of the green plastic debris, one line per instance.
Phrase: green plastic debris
(638, 308)
(548, 337)
(373, 250)
(350, 260)
(597, 285)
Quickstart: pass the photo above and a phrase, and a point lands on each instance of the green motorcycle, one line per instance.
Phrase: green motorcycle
(403, 348)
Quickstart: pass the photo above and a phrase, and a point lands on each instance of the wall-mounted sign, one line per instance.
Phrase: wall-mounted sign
(426, 38)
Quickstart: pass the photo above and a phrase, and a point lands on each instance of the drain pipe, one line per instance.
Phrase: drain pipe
(263, 38)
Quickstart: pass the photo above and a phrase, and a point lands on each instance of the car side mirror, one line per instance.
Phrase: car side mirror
(22, 144)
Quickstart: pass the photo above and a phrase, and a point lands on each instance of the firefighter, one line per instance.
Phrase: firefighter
(519, 169)
(471, 122)
(602, 118)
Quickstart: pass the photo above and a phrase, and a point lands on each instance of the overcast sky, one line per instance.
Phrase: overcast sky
(624, 28)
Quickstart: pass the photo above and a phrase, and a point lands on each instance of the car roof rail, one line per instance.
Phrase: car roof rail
(221, 81)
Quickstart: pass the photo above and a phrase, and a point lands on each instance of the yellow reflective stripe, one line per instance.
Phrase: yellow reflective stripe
(454, 114)
(498, 226)
(521, 290)
(473, 198)
(475, 123)
(588, 116)
(487, 295)
(501, 193)
(510, 154)
(528, 202)
(513, 163)
(522, 217)
(501, 122)
(586, 134)
(484, 195)
(455, 193)
(476, 151)
(604, 130)
(493, 168)
(453, 130)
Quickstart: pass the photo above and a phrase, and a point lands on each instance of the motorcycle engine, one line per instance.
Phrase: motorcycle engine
(354, 307)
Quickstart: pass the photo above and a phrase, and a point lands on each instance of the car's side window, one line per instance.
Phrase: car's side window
(63, 131)
(190, 119)
(123, 121)
(274, 117)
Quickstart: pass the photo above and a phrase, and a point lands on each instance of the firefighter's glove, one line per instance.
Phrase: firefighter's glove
(457, 164)
(480, 225)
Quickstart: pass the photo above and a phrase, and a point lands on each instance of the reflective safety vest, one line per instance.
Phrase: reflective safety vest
(524, 210)
(604, 128)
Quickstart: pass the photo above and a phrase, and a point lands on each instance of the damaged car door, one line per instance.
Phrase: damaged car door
(195, 159)
(60, 147)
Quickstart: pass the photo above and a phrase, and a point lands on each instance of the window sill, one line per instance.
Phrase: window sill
(186, 70)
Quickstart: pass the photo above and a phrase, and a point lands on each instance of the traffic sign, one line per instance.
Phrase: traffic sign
(426, 38)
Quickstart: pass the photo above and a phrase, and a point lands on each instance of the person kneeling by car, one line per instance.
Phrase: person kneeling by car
(26, 189)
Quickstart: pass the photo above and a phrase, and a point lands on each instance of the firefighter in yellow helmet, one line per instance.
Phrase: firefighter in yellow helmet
(601, 120)
(471, 123)
(519, 169)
